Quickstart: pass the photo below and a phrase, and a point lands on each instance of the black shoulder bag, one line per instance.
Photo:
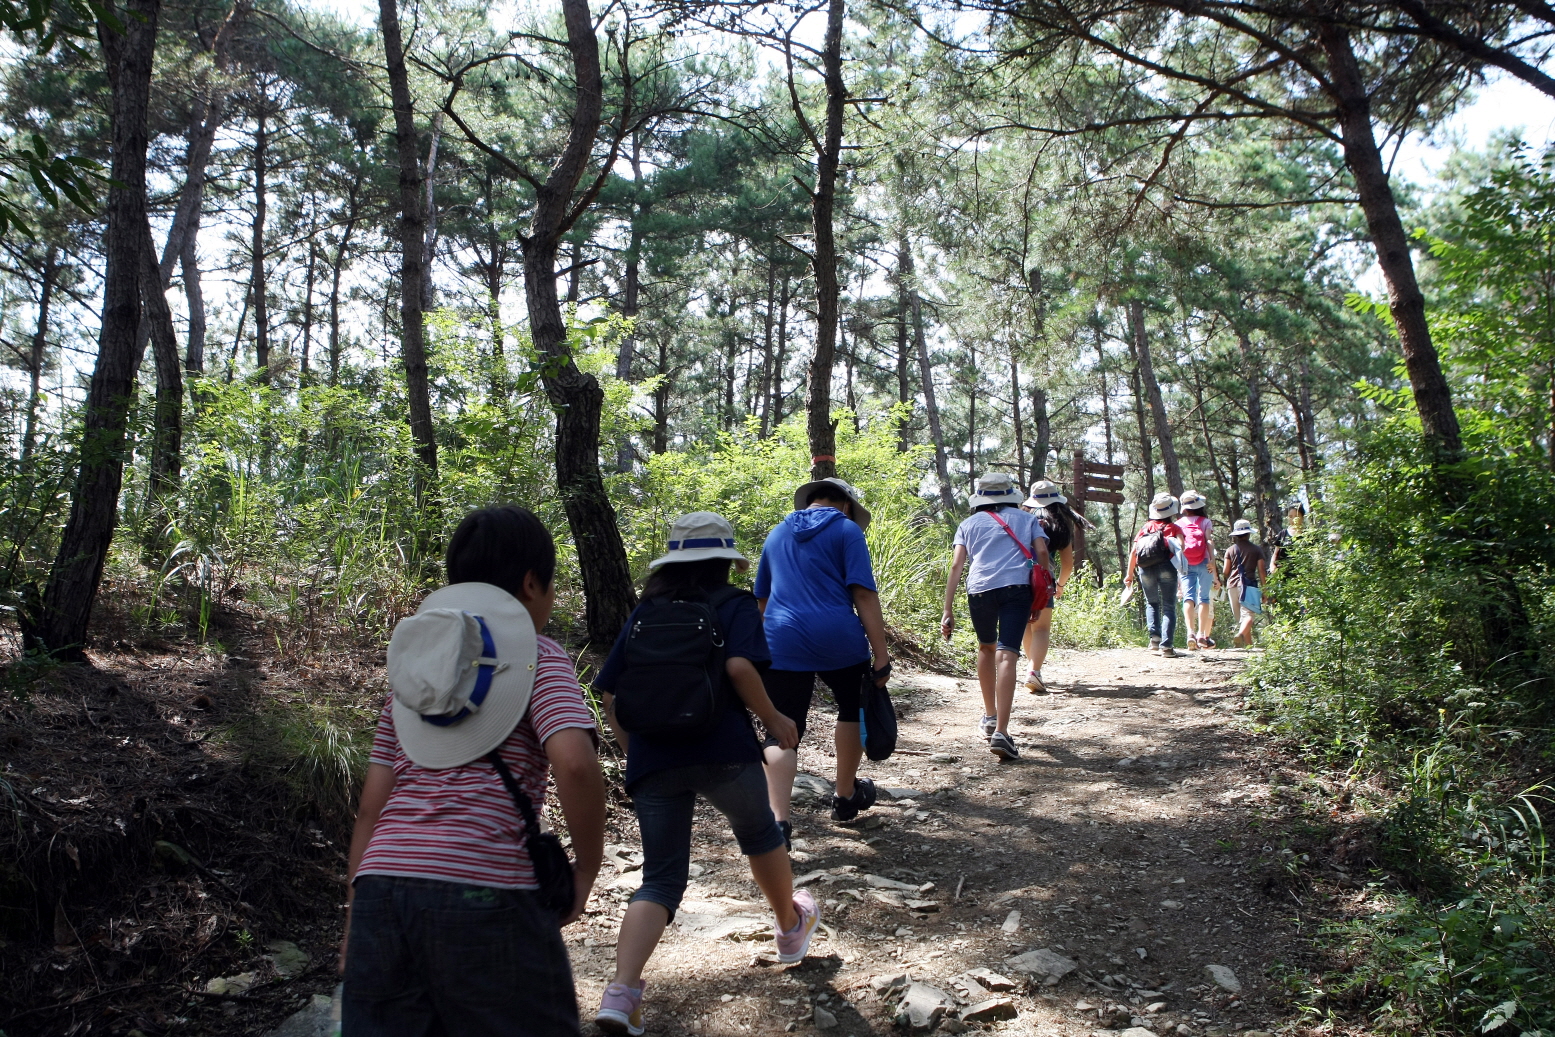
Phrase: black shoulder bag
(553, 869)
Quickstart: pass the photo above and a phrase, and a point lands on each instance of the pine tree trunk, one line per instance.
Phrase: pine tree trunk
(429, 202)
(1020, 440)
(903, 349)
(1146, 457)
(167, 424)
(767, 323)
(412, 240)
(781, 362)
(1042, 429)
(1209, 446)
(661, 401)
(38, 350)
(926, 373)
(1433, 396)
(194, 300)
(1263, 466)
(576, 397)
(336, 273)
(257, 290)
(1163, 427)
(60, 626)
(307, 311)
(630, 306)
(828, 292)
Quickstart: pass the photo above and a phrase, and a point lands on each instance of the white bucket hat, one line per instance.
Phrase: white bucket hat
(860, 513)
(1043, 493)
(699, 535)
(994, 488)
(1163, 507)
(462, 669)
(1193, 499)
(1241, 526)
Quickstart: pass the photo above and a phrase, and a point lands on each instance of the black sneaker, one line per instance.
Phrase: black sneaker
(1002, 746)
(862, 799)
(788, 834)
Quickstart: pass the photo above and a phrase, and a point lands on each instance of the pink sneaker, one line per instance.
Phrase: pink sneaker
(793, 944)
(621, 1010)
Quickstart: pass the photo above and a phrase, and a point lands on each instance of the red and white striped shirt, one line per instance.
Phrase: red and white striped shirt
(459, 824)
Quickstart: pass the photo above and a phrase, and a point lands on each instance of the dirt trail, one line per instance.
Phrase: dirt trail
(1137, 836)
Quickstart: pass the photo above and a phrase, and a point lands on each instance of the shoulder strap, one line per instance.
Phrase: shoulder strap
(1023, 548)
(525, 807)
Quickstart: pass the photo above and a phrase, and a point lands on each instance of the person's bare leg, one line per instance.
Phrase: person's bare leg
(775, 877)
(985, 673)
(1206, 619)
(1038, 633)
(850, 751)
(1190, 619)
(641, 930)
(1004, 689)
(782, 765)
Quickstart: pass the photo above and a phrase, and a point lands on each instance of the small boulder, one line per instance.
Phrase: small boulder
(824, 1020)
(1043, 962)
(992, 980)
(886, 983)
(989, 1011)
(289, 959)
(1224, 978)
(1138, 1031)
(923, 1007)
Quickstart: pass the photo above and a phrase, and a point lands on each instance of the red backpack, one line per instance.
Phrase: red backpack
(1194, 539)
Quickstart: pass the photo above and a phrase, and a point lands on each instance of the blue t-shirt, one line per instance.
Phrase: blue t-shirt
(808, 565)
(733, 740)
(996, 559)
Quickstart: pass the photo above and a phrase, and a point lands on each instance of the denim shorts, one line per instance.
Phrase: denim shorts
(1197, 581)
(429, 957)
(999, 616)
(665, 801)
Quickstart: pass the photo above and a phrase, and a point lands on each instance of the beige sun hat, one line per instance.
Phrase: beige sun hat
(1193, 499)
(1163, 507)
(462, 669)
(994, 488)
(1241, 527)
(699, 535)
(860, 513)
(1043, 493)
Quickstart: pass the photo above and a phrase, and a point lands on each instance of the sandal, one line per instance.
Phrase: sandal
(863, 798)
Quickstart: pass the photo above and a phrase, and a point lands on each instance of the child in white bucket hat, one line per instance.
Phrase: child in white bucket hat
(439, 867)
(665, 775)
(1003, 544)
(1246, 568)
(1200, 580)
(1048, 505)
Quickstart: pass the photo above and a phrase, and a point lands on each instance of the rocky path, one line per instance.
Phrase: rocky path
(1124, 873)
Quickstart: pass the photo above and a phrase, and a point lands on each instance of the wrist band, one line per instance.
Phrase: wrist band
(884, 671)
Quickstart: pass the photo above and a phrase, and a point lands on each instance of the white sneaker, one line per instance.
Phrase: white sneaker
(987, 726)
(1035, 684)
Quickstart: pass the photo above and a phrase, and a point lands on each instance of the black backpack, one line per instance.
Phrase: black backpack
(1152, 549)
(673, 685)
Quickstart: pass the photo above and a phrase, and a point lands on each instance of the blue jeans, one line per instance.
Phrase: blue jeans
(1159, 582)
(1197, 581)
(443, 959)
(665, 801)
(999, 616)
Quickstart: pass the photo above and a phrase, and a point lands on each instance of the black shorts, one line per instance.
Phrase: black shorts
(999, 616)
(791, 691)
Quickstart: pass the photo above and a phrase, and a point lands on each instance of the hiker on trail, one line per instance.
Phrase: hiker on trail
(1280, 543)
(453, 925)
(1003, 543)
(1200, 580)
(1048, 505)
(1246, 568)
(817, 593)
(690, 623)
(1157, 558)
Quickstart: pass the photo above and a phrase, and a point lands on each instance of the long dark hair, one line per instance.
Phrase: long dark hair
(680, 579)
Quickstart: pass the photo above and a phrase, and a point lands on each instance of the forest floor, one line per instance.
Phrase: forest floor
(1145, 835)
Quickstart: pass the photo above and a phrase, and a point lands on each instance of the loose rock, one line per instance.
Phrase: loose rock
(990, 1011)
(824, 1020)
(1224, 978)
(924, 1006)
(1043, 962)
(885, 984)
(992, 980)
(1011, 922)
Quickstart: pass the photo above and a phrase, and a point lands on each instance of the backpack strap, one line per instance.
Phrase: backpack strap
(1024, 550)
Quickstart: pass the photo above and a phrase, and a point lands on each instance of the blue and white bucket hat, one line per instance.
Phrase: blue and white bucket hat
(994, 488)
(1043, 493)
(462, 669)
(699, 535)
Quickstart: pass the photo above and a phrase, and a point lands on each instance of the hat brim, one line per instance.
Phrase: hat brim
(513, 633)
(861, 514)
(697, 554)
(1033, 502)
(1158, 514)
(977, 500)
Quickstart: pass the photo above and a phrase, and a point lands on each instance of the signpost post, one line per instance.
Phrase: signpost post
(1097, 483)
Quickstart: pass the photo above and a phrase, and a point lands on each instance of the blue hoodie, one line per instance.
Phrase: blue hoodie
(808, 565)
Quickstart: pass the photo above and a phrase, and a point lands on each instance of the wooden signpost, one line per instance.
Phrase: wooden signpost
(1097, 483)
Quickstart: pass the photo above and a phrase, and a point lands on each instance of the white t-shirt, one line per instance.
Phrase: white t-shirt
(996, 560)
